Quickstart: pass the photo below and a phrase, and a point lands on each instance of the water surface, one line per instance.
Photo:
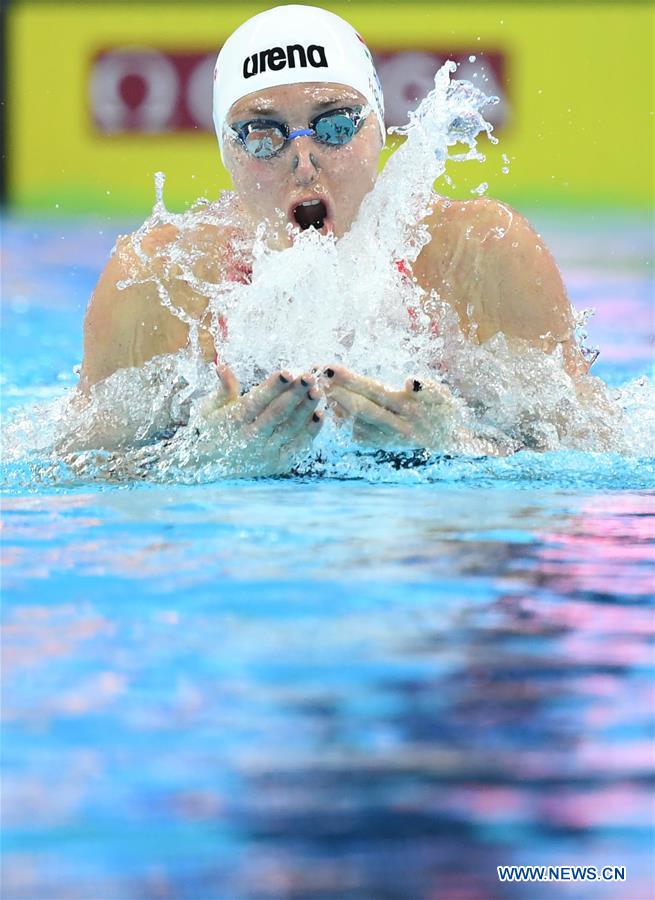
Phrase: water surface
(380, 687)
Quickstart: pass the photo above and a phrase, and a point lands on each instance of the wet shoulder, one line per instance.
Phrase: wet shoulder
(200, 248)
(463, 230)
(475, 219)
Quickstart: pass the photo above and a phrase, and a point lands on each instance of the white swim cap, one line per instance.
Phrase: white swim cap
(290, 45)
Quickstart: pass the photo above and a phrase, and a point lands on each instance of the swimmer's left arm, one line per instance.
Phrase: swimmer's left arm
(488, 262)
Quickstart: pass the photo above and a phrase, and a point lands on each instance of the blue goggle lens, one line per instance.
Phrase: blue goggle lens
(336, 129)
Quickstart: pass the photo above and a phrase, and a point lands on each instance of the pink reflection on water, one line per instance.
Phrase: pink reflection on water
(90, 695)
(623, 324)
(601, 806)
(638, 757)
(615, 805)
(35, 635)
(590, 582)
(607, 548)
(488, 802)
(29, 800)
(594, 617)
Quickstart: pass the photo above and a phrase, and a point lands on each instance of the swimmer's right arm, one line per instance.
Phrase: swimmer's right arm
(126, 323)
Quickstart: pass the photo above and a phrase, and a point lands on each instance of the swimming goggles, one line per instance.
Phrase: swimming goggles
(264, 138)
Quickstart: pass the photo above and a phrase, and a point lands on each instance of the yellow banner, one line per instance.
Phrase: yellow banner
(576, 123)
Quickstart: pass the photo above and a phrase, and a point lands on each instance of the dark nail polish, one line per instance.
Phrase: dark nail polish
(417, 386)
(329, 373)
(284, 380)
(316, 418)
(304, 383)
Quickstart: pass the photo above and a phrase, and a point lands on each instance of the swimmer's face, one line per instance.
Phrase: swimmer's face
(272, 189)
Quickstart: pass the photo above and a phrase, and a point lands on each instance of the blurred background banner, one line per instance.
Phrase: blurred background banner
(102, 95)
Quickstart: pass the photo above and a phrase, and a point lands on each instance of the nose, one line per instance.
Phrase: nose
(304, 163)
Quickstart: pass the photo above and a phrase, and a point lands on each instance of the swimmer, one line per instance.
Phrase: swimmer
(299, 117)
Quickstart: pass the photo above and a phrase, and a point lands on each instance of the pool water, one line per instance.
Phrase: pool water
(372, 689)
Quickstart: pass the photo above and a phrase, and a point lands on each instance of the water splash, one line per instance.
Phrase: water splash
(321, 301)
(347, 301)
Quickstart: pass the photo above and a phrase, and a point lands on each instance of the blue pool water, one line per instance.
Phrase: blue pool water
(381, 687)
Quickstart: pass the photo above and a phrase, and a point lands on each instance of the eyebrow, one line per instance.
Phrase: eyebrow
(265, 110)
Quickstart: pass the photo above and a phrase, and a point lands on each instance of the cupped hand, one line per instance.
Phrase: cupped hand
(415, 417)
(261, 431)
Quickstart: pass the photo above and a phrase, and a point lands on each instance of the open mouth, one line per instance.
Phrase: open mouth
(310, 214)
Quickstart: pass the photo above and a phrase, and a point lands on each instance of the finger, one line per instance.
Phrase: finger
(371, 413)
(337, 376)
(228, 392)
(413, 386)
(433, 392)
(297, 419)
(229, 382)
(339, 412)
(315, 423)
(303, 393)
(259, 398)
(307, 434)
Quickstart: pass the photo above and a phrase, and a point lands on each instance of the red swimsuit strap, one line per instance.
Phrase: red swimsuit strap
(405, 270)
(240, 272)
